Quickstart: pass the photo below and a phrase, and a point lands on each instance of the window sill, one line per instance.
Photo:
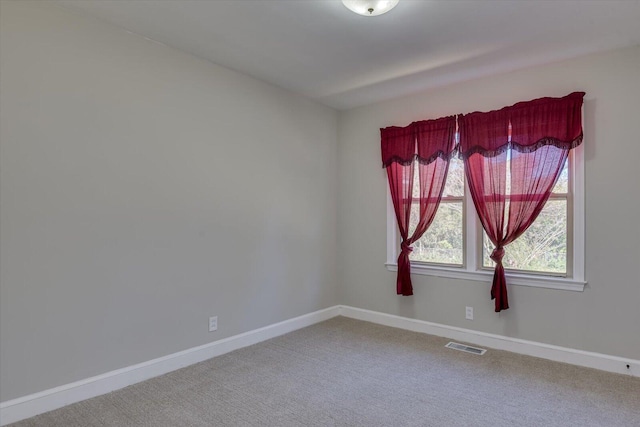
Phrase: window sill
(547, 282)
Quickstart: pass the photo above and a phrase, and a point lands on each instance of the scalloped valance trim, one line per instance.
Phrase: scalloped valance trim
(543, 142)
(424, 161)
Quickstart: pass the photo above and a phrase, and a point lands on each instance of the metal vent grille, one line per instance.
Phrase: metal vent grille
(466, 348)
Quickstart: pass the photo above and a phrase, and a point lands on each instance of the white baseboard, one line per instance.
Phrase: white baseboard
(48, 400)
(587, 359)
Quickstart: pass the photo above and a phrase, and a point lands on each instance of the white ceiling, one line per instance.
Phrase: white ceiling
(320, 49)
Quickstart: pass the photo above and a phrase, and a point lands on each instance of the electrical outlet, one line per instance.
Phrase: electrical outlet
(469, 313)
(213, 323)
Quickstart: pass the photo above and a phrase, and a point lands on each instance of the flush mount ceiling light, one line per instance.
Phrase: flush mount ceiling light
(370, 7)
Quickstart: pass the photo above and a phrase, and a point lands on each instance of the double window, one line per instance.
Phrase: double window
(549, 254)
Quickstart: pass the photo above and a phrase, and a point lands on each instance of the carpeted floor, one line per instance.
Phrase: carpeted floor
(351, 373)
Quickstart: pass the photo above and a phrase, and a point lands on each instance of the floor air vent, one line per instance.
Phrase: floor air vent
(466, 348)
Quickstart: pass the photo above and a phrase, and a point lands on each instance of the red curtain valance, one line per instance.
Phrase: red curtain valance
(425, 141)
(543, 121)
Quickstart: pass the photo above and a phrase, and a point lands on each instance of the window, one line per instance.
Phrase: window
(549, 254)
(544, 247)
(443, 242)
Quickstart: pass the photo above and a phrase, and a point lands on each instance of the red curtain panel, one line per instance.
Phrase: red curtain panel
(431, 143)
(536, 137)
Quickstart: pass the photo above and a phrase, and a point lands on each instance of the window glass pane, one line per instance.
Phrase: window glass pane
(455, 179)
(497, 162)
(415, 191)
(454, 186)
(442, 243)
(543, 247)
(562, 185)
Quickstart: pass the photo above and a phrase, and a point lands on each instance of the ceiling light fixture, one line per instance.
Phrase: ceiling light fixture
(370, 7)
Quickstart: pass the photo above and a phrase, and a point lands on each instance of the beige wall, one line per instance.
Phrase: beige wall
(605, 318)
(144, 190)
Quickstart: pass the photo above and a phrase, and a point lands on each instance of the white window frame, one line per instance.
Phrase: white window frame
(472, 268)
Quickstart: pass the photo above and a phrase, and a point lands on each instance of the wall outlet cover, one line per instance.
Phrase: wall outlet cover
(213, 323)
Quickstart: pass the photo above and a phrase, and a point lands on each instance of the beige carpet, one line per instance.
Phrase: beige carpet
(351, 373)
